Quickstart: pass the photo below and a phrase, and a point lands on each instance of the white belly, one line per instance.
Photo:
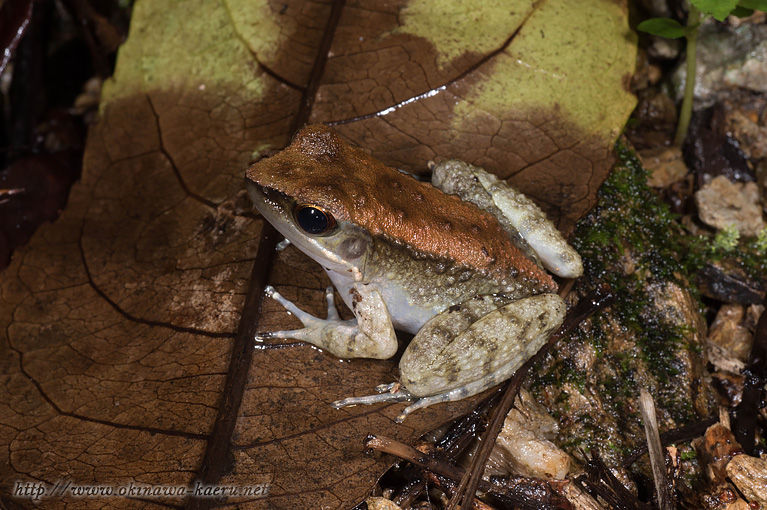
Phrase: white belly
(405, 315)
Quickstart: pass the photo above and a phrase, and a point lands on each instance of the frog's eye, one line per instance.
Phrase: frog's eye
(313, 220)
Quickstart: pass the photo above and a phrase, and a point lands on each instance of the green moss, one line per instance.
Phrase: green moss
(688, 454)
(631, 241)
(749, 254)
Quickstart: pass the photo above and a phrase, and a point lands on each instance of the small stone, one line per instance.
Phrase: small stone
(656, 8)
(663, 48)
(376, 503)
(750, 135)
(752, 73)
(715, 450)
(749, 474)
(729, 339)
(727, 57)
(725, 204)
(665, 164)
(523, 446)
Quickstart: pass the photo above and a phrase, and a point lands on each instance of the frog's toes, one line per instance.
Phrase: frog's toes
(332, 310)
(392, 393)
(391, 387)
(306, 318)
(260, 337)
(282, 244)
(420, 404)
(397, 396)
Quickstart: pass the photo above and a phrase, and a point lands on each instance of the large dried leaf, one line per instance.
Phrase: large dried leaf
(124, 355)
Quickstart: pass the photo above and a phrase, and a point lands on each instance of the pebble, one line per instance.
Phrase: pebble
(665, 164)
(749, 474)
(725, 204)
(729, 339)
(524, 446)
(750, 135)
(727, 57)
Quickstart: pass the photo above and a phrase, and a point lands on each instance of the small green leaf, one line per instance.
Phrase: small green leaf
(757, 5)
(719, 9)
(664, 27)
(742, 12)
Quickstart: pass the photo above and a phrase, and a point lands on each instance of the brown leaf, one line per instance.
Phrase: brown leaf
(124, 355)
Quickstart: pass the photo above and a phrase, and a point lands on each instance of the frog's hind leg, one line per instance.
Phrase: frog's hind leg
(456, 394)
(468, 349)
(385, 395)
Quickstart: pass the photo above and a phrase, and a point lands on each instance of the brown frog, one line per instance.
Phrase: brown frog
(457, 263)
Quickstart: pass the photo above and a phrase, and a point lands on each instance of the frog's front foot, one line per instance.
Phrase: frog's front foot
(370, 336)
(315, 329)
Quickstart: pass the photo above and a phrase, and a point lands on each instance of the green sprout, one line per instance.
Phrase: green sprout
(672, 29)
(761, 242)
(726, 240)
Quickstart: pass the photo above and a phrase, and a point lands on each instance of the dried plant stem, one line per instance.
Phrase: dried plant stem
(657, 459)
(518, 490)
(403, 451)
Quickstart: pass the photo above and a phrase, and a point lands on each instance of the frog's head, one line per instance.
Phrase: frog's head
(293, 192)
(338, 245)
(331, 199)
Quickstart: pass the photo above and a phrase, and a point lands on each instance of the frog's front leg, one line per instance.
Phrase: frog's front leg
(369, 335)
(469, 348)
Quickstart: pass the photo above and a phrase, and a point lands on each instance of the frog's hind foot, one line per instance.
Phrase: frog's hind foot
(385, 394)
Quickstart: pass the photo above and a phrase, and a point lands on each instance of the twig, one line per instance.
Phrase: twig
(600, 482)
(410, 454)
(458, 437)
(521, 491)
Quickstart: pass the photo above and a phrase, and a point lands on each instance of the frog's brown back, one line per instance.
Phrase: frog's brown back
(319, 168)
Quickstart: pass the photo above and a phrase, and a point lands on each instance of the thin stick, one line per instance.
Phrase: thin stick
(520, 490)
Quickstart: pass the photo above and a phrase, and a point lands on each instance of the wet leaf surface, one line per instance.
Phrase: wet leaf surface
(124, 353)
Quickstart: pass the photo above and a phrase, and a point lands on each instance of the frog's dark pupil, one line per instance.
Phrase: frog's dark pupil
(312, 220)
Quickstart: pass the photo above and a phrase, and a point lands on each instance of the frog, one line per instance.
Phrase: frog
(461, 262)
